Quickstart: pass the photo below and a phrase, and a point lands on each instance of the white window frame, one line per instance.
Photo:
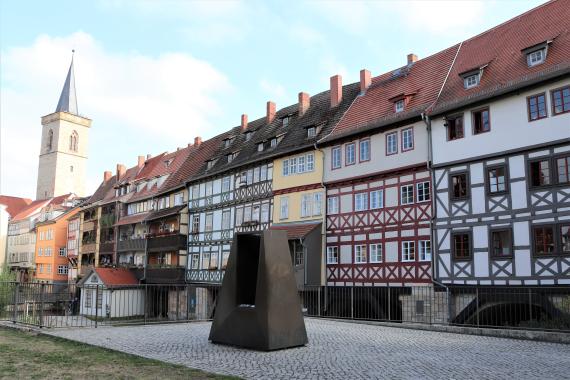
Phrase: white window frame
(377, 195)
(226, 219)
(332, 254)
(376, 253)
(310, 162)
(293, 165)
(399, 106)
(402, 195)
(209, 227)
(471, 81)
(364, 143)
(424, 250)
(422, 194)
(361, 201)
(284, 208)
(350, 152)
(407, 139)
(530, 57)
(285, 168)
(317, 204)
(359, 257)
(408, 251)
(311, 132)
(301, 167)
(392, 143)
(333, 205)
(306, 205)
(226, 184)
(336, 157)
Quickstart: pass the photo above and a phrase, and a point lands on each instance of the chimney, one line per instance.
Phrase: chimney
(121, 170)
(197, 140)
(243, 121)
(270, 111)
(304, 103)
(365, 80)
(148, 156)
(107, 176)
(412, 58)
(141, 161)
(336, 90)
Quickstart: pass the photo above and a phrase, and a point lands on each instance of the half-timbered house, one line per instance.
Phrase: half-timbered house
(501, 156)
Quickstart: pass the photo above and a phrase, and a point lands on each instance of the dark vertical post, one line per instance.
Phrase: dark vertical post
(96, 305)
(42, 290)
(352, 302)
(177, 302)
(530, 304)
(145, 301)
(389, 303)
(15, 308)
(477, 303)
(319, 301)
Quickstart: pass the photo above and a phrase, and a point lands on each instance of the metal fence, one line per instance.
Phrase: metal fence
(62, 305)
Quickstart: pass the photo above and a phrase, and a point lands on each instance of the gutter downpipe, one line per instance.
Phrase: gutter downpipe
(324, 212)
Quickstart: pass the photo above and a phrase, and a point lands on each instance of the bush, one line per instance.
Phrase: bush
(7, 288)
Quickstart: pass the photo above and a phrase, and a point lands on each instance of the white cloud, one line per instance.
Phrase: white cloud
(161, 101)
(274, 90)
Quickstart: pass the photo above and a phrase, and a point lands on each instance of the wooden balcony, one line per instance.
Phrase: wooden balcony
(163, 243)
(87, 248)
(107, 247)
(205, 276)
(131, 245)
(89, 225)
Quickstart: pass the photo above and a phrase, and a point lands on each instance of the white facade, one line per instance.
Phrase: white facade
(118, 302)
(515, 236)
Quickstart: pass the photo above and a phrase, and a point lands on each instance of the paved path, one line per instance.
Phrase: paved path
(339, 350)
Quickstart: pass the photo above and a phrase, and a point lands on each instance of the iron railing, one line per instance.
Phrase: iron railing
(63, 305)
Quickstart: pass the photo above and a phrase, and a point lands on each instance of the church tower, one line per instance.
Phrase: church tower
(63, 152)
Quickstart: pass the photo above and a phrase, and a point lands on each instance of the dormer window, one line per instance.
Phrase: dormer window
(273, 142)
(210, 164)
(260, 147)
(248, 136)
(285, 121)
(399, 105)
(230, 157)
(471, 81)
(227, 143)
(311, 132)
(168, 162)
(536, 57)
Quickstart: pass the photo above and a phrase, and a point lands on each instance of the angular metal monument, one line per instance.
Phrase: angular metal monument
(258, 306)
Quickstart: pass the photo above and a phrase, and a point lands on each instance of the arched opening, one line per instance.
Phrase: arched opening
(50, 140)
(73, 141)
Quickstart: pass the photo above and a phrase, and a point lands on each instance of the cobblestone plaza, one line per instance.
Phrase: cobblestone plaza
(341, 350)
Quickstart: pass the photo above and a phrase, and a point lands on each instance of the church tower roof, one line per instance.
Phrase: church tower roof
(68, 99)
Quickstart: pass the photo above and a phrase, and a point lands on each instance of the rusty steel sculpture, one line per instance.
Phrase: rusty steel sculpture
(258, 306)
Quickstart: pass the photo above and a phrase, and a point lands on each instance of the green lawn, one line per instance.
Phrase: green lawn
(26, 355)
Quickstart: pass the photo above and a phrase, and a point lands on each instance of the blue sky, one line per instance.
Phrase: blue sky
(154, 74)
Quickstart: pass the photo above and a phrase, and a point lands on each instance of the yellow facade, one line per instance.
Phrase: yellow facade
(295, 187)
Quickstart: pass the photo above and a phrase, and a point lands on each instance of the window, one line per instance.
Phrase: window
(265, 213)
(50, 140)
(178, 199)
(543, 240)
(285, 121)
(501, 243)
(311, 132)
(248, 136)
(336, 159)
(247, 214)
(540, 173)
(497, 180)
(62, 251)
(260, 147)
(40, 252)
(392, 143)
(360, 201)
(461, 246)
(481, 122)
(459, 186)
(407, 139)
(285, 168)
(230, 157)
(239, 216)
(565, 238)
(195, 223)
(563, 169)
(227, 143)
(301, 164)
(408, 251)
(350, 154)
(317, 203)
(376, 199)
(293, 165)
(209, 222)
(310, 162)
(209, 164)
(62, 269)
(306, 205)
(284, 208)
(226, 217)
(360, 254)
(535, 58)
(73, 141)
(88, 298)
(255, 213)
(48, 269)
(71, 168)
(536, 107)
(425, 250)
(376, 253)
(471, 81)
(332, 255)
(332, 205)
(399, 105)
(561, 100)
(423, 191)
(407, 194)
(454, 128)
(365, 150)
(273, 142)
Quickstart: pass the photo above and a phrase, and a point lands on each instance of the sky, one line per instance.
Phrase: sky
(153, 74)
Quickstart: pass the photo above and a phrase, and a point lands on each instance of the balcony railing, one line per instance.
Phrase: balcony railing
(205, 276)
(108, 247)
(89, 225)
(171, 242)
(87, 247)
(131, 245)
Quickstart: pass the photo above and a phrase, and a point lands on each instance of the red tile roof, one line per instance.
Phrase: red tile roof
(14, 204)
(116, 276)
(296, 230)
(501, 48)
(30, 209)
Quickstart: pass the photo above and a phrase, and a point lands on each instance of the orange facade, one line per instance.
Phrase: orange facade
(51, 252)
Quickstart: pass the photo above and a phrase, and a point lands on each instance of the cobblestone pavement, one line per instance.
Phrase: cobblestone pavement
(341, 350)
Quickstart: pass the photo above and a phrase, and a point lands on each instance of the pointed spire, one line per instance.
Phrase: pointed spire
(68, 99)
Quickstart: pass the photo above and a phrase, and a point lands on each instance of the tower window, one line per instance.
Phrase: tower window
(73, 141)
(50, 140)
(71, 168)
